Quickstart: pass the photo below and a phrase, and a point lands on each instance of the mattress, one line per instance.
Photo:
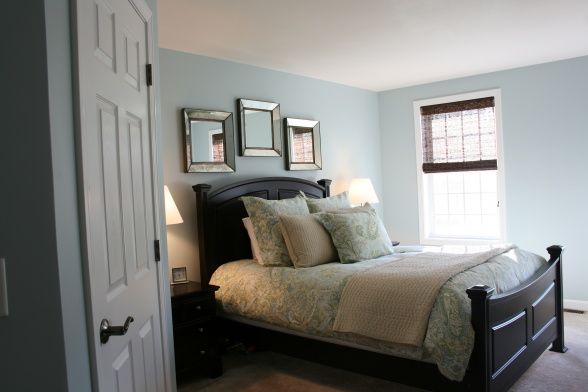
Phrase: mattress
(305, 301)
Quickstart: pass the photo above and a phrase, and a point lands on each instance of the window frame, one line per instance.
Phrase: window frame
(424, 211)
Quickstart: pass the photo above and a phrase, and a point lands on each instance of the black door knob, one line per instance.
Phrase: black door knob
(106, 330)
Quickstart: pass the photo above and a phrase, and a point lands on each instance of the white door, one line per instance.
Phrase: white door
(116, 145)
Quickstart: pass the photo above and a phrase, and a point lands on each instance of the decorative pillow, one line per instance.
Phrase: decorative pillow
(266, 225)
(308, 242)
(254, 245)
(357, 235)
(329, 203)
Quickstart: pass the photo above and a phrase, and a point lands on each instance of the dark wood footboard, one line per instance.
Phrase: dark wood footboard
(514, 328)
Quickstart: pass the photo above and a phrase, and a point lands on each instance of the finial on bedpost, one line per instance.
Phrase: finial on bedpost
(201, 188)
(201, 201)
(481, 364)
(555, 253)
(327, 185)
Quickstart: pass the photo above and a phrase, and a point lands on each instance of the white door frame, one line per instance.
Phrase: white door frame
(160, 228)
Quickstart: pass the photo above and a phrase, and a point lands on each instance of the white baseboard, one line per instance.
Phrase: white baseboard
(575, 304)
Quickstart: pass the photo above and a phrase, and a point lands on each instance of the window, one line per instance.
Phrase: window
(458, 142)
(216, 145)
(303, 145)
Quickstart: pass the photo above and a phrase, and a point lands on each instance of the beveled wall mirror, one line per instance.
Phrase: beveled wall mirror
(304, 144)
(260, 130)
(209, 139)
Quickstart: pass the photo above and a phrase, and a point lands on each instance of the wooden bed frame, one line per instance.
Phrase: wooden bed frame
(512, 329)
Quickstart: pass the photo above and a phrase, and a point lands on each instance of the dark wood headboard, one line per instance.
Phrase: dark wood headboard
(221, 234)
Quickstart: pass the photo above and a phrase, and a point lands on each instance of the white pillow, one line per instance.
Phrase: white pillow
(254, 245)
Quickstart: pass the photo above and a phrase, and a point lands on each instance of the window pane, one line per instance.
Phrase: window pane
(439, 150)
(456, 204)
(470, 122)
(439, 182)
(463, 204)
(455, 182)
(489, 203)
(471, 145)
(490, 225)
(471, 182)
(488, 181)
(453, 124)
(473, 224)
(456, 225)
(455, 149)
(441, 204)
(472, 203)
(438, 126)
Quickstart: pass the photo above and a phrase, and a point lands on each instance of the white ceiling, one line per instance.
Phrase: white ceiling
(378, 44)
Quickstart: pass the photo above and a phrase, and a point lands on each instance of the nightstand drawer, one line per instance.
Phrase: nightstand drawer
(196, 335)
(193, 309)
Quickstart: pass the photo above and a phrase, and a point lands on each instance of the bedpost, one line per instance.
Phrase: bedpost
(480, 364)
(201, 201)
(555, 253)
(327, 185)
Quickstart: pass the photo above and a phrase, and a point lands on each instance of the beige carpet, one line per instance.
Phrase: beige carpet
(267, 371)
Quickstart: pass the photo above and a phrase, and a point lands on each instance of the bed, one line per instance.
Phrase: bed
(511, 329)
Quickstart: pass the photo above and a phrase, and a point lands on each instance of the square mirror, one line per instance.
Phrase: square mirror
(209, 140)
(260, 128)
(304, 144)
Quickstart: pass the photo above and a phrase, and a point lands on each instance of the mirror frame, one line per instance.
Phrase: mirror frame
(226, 118)
(291, 124)
(274, 109)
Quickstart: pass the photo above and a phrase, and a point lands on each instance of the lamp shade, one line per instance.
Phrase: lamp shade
(172, 215)
(362, 191)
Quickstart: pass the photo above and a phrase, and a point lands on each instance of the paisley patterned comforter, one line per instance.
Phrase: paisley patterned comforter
(306, 300)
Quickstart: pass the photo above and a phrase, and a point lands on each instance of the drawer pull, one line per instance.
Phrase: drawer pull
(199, 307)
(202, 352)
(201, 330)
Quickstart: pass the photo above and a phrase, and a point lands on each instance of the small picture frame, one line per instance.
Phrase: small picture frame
(179, 275)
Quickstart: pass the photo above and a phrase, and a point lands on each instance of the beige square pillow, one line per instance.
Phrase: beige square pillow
(254, 245)
(308, 242)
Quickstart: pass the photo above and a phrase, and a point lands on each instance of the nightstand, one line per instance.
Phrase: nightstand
(196, 340)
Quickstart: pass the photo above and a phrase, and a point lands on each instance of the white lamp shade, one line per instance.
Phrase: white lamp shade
(172, 215)
(362, 191)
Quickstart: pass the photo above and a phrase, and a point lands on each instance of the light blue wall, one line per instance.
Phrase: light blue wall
(32, 354)
(546, 158)
(349, 130)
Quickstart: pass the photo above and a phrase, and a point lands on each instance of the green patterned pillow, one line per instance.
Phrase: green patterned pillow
(359, 235)
(329, 203)
(264, 215)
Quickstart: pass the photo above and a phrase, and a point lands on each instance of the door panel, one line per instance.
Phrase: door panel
(122, 367)
(117, 168)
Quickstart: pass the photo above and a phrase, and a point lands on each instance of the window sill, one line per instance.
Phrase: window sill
(436, 241)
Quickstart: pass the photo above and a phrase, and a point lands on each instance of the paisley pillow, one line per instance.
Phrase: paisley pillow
(329, 203)
(357, 235)
(264, 215)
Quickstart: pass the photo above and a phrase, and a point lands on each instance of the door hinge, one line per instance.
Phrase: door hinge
(156, 248)
(149, 74)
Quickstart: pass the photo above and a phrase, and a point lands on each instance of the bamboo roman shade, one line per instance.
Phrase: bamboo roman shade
(459, 136)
